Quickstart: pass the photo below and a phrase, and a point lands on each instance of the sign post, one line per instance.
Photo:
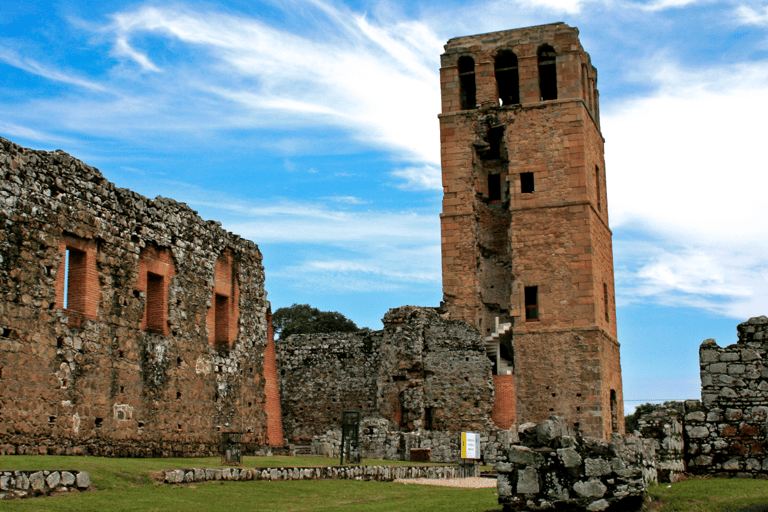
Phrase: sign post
(470, 449)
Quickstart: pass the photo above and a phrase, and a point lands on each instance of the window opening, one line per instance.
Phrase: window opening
(547, 73)
(614, 412)
(599, 191)
(467, 83)
(494, 187)
(74, 280)
(495, 138)
(507, 78)
(531, 303)
(526, 183)
(155, 305)
(221, 334)
(429, 419)
(605, 302)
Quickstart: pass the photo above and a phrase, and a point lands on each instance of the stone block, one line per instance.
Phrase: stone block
(569, 457)
(53, 480)
(528, 481)
(37, 481)
(67, 478)
(597, 467)
(593, 488)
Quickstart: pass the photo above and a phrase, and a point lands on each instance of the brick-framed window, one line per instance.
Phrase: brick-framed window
(467, 85)
(507, 78)
(531, 303)
(77, 279)
(606, 303)
(547, 72)
(494, 187)
(223, 313)
(156, 269)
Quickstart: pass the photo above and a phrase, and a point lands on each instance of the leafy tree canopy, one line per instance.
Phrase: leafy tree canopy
(304, 319)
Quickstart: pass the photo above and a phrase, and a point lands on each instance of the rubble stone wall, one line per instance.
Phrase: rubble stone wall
(377, 441)
(664, 427)
(26, 484)
(421, 373)
(726, 433)
(118, 357)
(367, 473)
(555, 468)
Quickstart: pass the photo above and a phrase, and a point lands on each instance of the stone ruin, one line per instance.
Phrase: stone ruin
(418, 383)
(726, 433)
(554, 468)
(128, 326)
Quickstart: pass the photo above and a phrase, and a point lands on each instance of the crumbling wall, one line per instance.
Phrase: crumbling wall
(421, 373)
(664, 427)
(378, 441)
(726, 433)
(555, 468)
(104, 348)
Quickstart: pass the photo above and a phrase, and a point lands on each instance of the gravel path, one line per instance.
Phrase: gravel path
(472, 482)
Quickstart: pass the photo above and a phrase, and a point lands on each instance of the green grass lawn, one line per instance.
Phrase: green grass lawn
(711, 495)
(127, 485)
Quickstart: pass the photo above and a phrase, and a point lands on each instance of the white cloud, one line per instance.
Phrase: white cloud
(752, 16)
(660, 5)
(426, 177)
(31, 66)
(687, 174)
(361, 75)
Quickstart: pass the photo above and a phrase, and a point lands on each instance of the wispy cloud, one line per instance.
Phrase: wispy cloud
(426, 177)
(31, 66)
(686, 174)
(361, 75)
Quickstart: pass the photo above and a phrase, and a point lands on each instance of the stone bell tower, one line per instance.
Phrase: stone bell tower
(526, 247)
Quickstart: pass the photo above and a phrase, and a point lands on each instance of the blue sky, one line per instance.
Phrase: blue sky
(310, 127)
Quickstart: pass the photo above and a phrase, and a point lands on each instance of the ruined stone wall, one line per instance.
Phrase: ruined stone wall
(421, 372)
(664, 427)
(726, 433)
(555, 468)
(323, 375)
(119, 357)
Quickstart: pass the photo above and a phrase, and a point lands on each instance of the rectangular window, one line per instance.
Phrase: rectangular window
(494, 187)
(155, 305)
(75, 278)
(526, 182)
(605, 302)
(531, 303)
(221, 326)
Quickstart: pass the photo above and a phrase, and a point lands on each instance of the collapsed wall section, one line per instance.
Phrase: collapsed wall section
(421, 373)
(104, 348)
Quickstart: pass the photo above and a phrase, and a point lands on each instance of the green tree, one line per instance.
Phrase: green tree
(304, 319)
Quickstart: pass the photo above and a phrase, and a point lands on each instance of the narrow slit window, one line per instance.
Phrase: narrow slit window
(531, 303)
(526, 183)
(507, 78)
(74, 279)
(614, 412)
(221, 334)
(547, 73)
(155, 305)
(494, 187)
(598, 189)
(467, 83)
(605, 303)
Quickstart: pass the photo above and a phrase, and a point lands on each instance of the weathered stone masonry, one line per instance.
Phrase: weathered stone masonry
(526, 246)
(128, 326)
(418, 383)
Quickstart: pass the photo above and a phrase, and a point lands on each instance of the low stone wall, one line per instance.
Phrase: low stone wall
(24, 484)
(368, 473)
(665, 428)
(378, 442)
(557, 469)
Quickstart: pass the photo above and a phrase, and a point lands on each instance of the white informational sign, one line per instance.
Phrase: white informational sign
(470, 445)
